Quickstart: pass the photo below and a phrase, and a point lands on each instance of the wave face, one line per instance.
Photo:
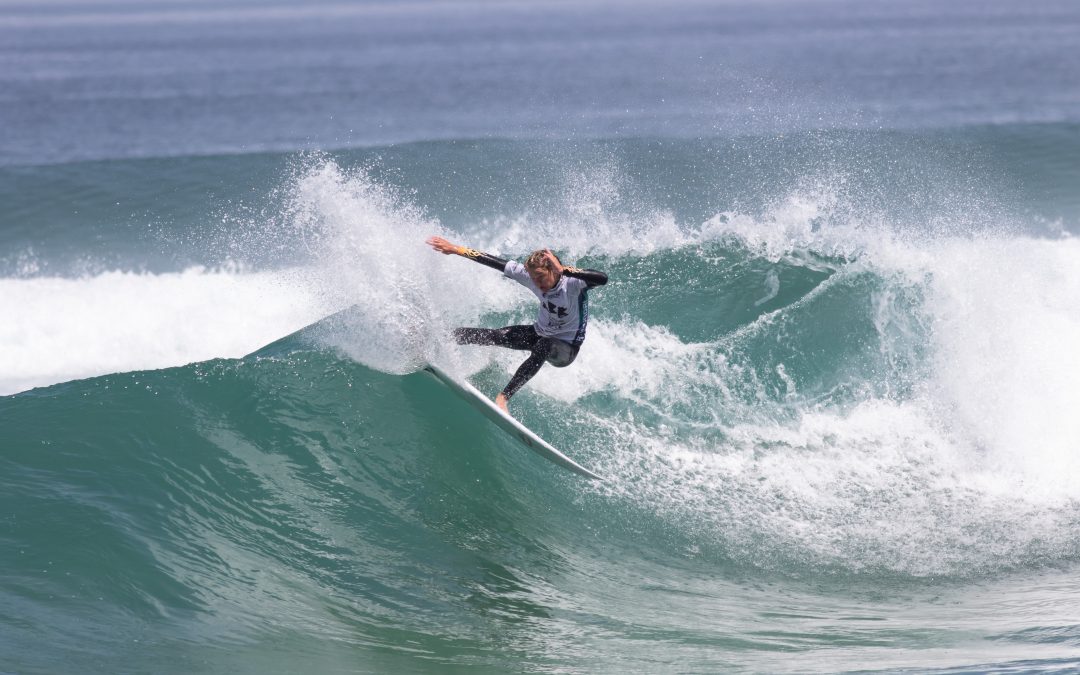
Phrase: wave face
(831, 384)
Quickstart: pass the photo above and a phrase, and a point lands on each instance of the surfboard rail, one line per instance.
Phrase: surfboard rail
(508, 423)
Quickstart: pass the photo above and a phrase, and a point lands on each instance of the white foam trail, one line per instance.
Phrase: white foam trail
(58, 329)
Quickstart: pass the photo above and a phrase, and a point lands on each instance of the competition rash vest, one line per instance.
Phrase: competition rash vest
(564, 310)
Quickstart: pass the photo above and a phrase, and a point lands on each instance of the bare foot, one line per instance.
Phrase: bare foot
(500, 401)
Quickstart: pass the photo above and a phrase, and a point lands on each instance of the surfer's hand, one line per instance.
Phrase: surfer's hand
(443, 246)
(553, 262)
(500, 401)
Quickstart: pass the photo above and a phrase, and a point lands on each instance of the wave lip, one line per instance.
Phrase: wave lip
(59, 329)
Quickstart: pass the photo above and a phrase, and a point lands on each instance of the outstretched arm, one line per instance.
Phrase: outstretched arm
(443, 246)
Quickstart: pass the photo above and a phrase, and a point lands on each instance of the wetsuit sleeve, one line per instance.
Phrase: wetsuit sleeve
(592, 278)
(484, 258)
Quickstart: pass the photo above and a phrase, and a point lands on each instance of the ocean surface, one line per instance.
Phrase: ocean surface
(832, 385)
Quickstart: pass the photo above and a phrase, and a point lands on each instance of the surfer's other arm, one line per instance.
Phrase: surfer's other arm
(443, 246)
(592, 278)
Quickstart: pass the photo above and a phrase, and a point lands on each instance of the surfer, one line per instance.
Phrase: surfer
(559, 330)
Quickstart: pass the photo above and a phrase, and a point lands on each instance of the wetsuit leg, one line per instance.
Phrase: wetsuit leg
(558, 353)
(530, 367)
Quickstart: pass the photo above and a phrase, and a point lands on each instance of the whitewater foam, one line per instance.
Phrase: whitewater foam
(880, 487)
(58, 329)
(1006, 362)
(972, 467)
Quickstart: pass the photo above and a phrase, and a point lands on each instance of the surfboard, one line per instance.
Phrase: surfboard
(504, 421)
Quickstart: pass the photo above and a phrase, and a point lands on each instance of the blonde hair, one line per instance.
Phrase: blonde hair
(538, 259)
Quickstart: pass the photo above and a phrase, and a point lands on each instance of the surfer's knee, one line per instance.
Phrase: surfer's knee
(561, 354)
(541, 349)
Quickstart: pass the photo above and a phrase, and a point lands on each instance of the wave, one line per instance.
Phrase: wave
(838, 412)
(258, 491)
(800, 389)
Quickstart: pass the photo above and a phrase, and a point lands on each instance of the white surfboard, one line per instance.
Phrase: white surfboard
(507, 423)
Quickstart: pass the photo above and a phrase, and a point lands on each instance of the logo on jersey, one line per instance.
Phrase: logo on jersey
(552, 308)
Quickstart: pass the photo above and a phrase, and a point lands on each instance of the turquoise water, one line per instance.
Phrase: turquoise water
(831, 384)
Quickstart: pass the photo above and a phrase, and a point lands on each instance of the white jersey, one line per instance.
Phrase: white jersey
(564, 310)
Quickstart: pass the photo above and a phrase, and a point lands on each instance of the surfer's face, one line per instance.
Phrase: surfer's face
(543, 277)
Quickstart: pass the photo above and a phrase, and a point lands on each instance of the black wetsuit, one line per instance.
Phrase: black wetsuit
(560, 325)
